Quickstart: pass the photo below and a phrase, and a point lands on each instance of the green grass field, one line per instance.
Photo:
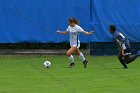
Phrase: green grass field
(26, 74)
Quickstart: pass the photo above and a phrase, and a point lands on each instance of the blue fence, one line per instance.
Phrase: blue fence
(36, 21)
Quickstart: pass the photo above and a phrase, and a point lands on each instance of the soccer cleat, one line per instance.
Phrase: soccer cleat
(138, 53)
(125, 67)
(71, 65)
(85, 63)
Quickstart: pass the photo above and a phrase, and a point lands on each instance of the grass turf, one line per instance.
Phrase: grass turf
(26, 74)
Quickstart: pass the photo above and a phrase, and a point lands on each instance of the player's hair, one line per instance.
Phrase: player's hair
(112, 27)
(73, 20)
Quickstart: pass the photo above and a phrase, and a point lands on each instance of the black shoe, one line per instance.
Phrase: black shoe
(85, 63)
(125, 67)
(71, 65)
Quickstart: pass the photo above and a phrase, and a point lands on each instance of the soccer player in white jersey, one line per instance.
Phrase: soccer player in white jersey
(73, 30)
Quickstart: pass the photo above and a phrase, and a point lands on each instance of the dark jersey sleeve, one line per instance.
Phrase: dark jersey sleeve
(119, 36)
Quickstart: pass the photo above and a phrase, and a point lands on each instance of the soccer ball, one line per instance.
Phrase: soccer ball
(47, 64)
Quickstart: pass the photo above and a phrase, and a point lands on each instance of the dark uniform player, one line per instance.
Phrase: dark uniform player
(125, 48)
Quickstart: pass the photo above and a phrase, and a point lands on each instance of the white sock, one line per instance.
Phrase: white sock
(71, 59)
(81, 57)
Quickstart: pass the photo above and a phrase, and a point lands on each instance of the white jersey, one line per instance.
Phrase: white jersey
(74, 35)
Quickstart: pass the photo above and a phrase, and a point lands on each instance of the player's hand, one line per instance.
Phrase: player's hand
(91, 32)
(122, 52)
(58, 32)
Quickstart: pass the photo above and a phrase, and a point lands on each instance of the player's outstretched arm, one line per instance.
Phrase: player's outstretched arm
(88, 33)
(59, 32)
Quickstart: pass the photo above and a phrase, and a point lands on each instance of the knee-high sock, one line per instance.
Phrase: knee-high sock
(133, 58)
(81, 57)
(71, 59)
(122, 62)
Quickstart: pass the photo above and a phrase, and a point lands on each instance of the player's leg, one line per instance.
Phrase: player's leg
(81, 57)
(121, 59)
(127, 52)
(129, 59)
(70, 56)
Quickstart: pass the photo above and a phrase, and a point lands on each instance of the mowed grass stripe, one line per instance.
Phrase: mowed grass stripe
(26, 74)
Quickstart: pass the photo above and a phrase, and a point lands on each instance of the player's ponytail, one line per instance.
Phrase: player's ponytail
(73, 20)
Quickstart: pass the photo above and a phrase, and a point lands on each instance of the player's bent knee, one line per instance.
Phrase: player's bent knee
(127, 61)
(68, 54)
(78, 54)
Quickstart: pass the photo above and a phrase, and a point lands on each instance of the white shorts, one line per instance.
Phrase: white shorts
(77, 45)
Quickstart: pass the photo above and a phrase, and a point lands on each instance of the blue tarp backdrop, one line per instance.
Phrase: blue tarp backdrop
(124, 13)
(38, 20)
